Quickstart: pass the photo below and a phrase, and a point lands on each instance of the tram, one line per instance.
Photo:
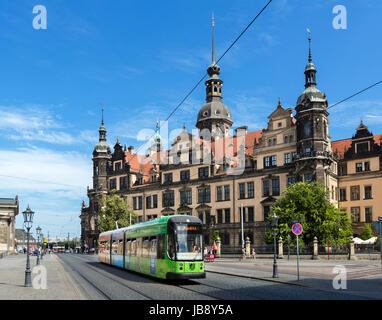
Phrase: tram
(169, 247)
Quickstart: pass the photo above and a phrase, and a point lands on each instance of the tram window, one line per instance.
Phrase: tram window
(139, 247)
(120, 247)
(153, 247)
(114, 247)
(134, 247)
(128, 249)
(145, 247)
(170, 247)
(160, 246)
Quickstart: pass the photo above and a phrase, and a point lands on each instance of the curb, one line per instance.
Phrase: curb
(258, 278)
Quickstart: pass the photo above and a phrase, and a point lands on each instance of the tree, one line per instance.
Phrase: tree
(114, 209)
(309, 203)
(367, 232)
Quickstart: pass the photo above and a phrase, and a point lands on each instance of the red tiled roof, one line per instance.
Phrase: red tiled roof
(341, 146)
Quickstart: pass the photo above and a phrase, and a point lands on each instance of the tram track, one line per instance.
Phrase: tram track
(187, 284)
(115, 280)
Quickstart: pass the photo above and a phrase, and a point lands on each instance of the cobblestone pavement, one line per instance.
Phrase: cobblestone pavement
(12, 278)
(362, 277)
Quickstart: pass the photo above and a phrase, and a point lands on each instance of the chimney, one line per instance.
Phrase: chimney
(241, 128)
(131, 149)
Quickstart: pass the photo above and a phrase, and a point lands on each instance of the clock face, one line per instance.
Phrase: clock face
(308, 129)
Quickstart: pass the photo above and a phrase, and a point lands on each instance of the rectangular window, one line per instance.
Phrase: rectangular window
(148, 202)
(294, 155)
(273, 161)
(368, 214)
(267, 162)
(220, 215)
(267, 211)
(362, 147)
(342, 170)
(287, 157)
(185, 197)
(219, 193)
(168, 199)
(208, 217)
(251, 190)
(139, 202)
(227, 215)
(168, 178)
(368, 192)
(113, 184)
(266, 188)
(185, 175)
(355, 214)
(358, 167)
(366, 166)
(342, 194)
(226, 193)
(276, 187)
(201, 215)
(117, 166)
(242, 190)
(291, 180)
(308, 177)
(251, 216)
(189, 197)
(204, 195)
(354, 193)
(203, 172)
(155, 201)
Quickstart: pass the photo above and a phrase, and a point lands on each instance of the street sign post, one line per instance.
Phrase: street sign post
(297, 230)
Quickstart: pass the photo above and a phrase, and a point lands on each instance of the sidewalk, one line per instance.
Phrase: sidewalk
(363, 277)
(12, 278)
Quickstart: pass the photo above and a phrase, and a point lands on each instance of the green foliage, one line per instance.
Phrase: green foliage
(114, 209)
(215, 235)
(367, 232)
(309, 203)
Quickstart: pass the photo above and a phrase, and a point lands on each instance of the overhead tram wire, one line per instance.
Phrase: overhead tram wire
(221, 57)
(355, 94)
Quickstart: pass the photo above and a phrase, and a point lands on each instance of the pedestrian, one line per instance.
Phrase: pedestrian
(253, 253)
(244, 255)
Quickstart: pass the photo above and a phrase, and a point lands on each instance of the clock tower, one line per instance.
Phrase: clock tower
(314, 159)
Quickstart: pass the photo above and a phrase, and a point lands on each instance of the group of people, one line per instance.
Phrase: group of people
(253, 254)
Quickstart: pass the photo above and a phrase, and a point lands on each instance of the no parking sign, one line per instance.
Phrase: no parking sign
(297, 229)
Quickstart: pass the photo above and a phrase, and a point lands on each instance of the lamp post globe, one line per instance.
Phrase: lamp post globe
(274, 226)
(28, 220)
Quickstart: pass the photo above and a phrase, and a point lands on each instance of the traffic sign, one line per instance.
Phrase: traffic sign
(297, 229)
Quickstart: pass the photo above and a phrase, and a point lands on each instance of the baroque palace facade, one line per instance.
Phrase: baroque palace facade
(220, 177)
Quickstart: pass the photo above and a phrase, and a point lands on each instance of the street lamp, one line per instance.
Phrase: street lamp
(28, 219)
(274, 226)
(38, 232)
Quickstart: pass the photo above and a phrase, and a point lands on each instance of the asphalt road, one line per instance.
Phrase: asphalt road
(97, 281)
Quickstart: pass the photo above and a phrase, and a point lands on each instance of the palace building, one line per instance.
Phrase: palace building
(224, 178)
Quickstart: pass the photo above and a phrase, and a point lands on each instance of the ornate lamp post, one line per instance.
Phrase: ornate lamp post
(274, 226)
(28, 219)
(38, 232)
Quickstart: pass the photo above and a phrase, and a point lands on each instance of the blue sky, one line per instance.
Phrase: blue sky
(140, 58)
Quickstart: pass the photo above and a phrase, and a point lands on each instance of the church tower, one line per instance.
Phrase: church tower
(101, 156)
(214, 116)
(314, 159)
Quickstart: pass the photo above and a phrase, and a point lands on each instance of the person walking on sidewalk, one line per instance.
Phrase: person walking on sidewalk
(244, 254)
(253, 254)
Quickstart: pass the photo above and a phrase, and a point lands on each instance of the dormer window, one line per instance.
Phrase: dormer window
(362, 147)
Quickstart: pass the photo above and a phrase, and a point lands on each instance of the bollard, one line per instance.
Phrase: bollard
(351, 249)
(281, 249)
(315, 249)
(247, 247)
(218, 244)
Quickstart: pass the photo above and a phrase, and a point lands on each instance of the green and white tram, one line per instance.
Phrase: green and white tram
(170, 247)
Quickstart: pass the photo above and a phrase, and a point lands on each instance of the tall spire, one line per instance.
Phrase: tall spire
(310, 69)
(213, 39)
(102, 129)
(213, 70)
(310, 51)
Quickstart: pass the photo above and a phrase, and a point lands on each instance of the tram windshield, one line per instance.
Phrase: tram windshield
(185, 242)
